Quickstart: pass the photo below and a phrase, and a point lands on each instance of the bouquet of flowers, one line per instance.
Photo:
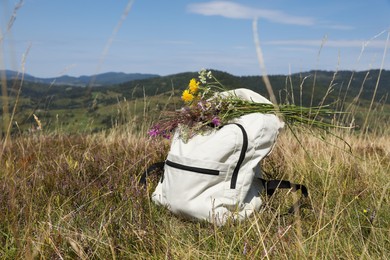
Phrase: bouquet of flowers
(208, 107)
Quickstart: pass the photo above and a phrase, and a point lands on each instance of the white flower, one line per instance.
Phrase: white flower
(231, 107)
(203, 74)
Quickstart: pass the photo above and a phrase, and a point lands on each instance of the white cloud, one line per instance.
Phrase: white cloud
(237, 11)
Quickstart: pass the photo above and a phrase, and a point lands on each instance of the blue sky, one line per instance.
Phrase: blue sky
(59, 37)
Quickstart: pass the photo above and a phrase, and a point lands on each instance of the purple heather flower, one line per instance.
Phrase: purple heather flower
(216, 121)
(155, 131)
(166, 136)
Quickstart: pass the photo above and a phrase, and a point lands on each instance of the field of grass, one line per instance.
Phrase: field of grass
(69, 188)
(77, 197)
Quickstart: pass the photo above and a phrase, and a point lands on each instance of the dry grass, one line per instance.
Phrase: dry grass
(78, 197)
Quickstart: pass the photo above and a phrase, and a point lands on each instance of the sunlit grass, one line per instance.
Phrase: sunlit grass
(78, 196)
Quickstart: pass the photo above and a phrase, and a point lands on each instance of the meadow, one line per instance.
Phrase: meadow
(69, 185)
(76, 196)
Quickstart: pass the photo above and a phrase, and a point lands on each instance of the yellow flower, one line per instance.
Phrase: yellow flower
(187, 96)
(193, 86)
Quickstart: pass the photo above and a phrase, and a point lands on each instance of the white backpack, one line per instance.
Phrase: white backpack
(216, 175)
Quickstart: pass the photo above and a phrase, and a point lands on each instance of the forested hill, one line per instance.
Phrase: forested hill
(288, 88)
(343, 83)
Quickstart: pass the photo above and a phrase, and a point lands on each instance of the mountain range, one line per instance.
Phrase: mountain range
(103, 79)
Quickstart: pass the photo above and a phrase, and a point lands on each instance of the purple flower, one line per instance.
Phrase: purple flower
(166, 136)
(216, 121)
(155, 131)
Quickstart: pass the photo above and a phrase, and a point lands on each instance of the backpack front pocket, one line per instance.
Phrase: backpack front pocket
(190, 186)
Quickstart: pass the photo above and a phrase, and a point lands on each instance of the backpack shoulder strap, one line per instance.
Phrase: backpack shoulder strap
(157, 167)
(271, 185)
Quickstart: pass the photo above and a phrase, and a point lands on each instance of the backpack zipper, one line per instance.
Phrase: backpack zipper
(191, 168)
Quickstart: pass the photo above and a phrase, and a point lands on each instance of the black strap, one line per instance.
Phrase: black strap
(155, 167)
(271, 185)
(233, 181)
